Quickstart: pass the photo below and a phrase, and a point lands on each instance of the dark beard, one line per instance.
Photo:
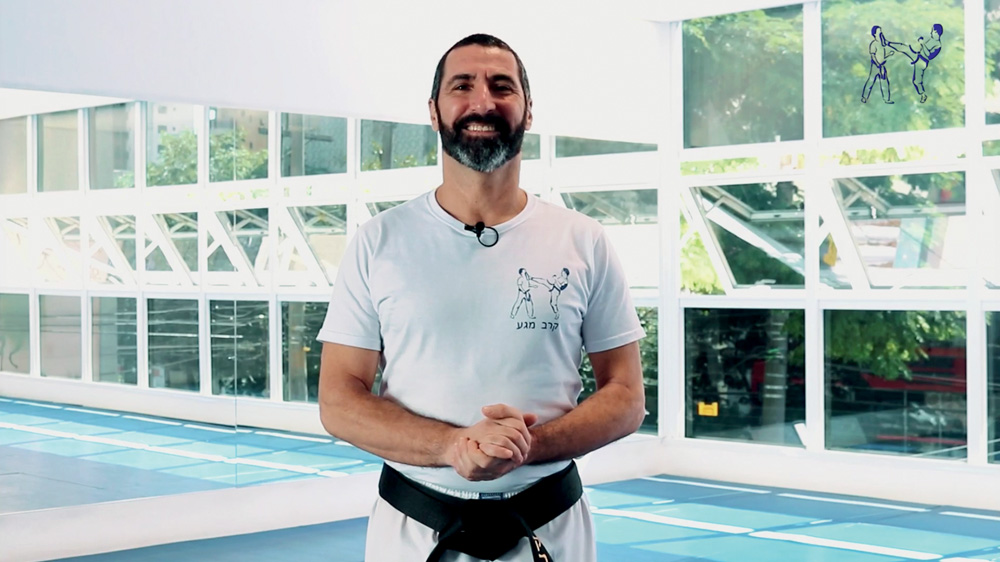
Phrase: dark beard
(481, 154)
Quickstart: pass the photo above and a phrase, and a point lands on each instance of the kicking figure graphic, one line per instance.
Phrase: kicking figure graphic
(556, 285)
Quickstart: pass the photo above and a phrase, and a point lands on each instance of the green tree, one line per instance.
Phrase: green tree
(229, 159)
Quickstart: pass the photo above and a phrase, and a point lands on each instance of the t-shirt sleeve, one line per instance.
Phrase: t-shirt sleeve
(351, 318)
(611, 320)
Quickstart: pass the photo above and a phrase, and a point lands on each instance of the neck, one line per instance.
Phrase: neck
(472, 196)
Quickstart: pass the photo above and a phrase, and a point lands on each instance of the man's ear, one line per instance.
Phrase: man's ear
(527, 118)
(434, 117)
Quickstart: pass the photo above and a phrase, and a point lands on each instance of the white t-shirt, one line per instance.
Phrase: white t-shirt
(462, 326)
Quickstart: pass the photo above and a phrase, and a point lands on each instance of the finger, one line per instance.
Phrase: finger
(499, 411)
(520, 433)
(478, 457)
(505, 435)
(497, 451)
(518, 452)
(530, 420)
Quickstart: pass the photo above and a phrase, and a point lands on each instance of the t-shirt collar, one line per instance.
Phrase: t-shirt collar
(441, 214)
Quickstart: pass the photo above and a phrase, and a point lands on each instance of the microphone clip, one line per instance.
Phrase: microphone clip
(487, 235)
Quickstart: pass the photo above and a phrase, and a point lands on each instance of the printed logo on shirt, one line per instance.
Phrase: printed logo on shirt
(555, 285)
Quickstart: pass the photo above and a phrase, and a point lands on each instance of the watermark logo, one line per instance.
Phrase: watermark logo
(920, 53)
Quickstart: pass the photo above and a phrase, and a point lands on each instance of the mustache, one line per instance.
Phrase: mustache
(490, 119)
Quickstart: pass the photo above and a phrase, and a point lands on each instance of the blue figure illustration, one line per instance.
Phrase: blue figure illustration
(921, 56)
(557, 284)
(878, 51)
(525, 283)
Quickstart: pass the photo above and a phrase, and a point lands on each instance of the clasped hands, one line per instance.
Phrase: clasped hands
(494, 446)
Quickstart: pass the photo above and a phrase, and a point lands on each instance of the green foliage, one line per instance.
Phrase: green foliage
(376, 158)
(697, 272)
(230, 160)
(178, 160)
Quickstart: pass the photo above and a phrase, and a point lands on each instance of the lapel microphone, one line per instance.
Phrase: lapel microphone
(487, 235)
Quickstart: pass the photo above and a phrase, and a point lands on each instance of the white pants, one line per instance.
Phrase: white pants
(394, 537)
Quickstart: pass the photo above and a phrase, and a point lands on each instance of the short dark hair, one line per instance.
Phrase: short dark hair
(939, 29)
(482, 40)
(874, 27)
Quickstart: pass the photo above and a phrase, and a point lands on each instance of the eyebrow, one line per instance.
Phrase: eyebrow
(495, 78)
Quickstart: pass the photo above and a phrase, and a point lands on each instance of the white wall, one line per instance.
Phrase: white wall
(591, 68)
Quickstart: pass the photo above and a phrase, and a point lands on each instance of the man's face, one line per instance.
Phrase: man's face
(481, 110)
(934, 34)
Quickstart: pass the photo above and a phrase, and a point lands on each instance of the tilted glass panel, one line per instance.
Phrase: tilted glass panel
(237, 144)
(572, 146)
(759, 229)
(386, 145)
(13, 155)
(531, 147)
(895, 382)
(173, 343)
(745, 375)
(171, 144)
(908, 231)
(113, 250)
(58, 168)
(312, 245)
(743, 78)
(171, 249)
(886, 69)
(60, 339)
(60, 260)
(16, 240)
(300, 351)
(648, 351)
(993, 386)
(241, 250)
(15, 334)
(240, 348)
(630, 221)
(313, 144)
(114, 340)
(112, 144)
(698, 275)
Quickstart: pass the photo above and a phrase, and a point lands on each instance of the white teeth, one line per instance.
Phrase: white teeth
(480, 128)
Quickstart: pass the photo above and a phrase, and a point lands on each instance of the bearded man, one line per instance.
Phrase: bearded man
(477, 414)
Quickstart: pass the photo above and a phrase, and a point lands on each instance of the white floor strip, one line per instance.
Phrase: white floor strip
(855, 502)
(662, 502)
(703, 485)
(295, 437)
(95, 412)
(844, 545)
(188, 454)
(215, 429)
(971, 516)
(967, 559)
(151, 420)
(35, 404)
(342, 443)
(5, 400)
(332, 473)
(273, 465)
(673, 521)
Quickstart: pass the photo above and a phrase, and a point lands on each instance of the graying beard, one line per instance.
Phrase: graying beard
(496, 159)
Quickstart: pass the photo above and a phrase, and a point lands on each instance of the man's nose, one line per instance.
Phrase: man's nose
(482, 100)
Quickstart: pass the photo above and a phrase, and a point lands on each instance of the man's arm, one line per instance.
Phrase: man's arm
(350, 411)
(615, 410)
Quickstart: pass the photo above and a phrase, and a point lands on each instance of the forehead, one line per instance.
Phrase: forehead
(480, 61)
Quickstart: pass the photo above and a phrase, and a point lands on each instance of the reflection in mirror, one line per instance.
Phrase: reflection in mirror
(300, 322)
(240, 342)
(895, 382)
(907, 231)
(744, 374)
(759, 230)
(173, 344)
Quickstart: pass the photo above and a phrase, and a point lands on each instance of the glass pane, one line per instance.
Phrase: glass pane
(112, 250)
(171, 144)
(300, 351)
(15, 333)
(895, 382)
(171, 249)
(238, 144)
(743, 78)
(993, 385)
(240, 348)
(992, 24)
(13, 155)
(648, 352)
(313, 144)
(749, 164)
(745, 374)
(377, 207)
(570, 146)
(112, 142)
(246, 261)
(886, 69)
(60, 261)
(630, 220)
(759, 229)
(15, 242)
(386, 145)
(115, 352)
(698, 275)
(989, 260)
(173, 343)
(531, 147)
(907, 231)
(57, 152)
(61, 337)
(311, 255)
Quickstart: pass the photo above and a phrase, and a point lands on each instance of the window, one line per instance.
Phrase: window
(173, 344)
(171, 144)
(993, 385)
(57, 152)
(240, 348)
(13, 155)
(313, 144)
(115, 352)
(113, 250)
(15, 334)
(112, 142)
(245, 261)
(531, 147)
(744, 374)
(386, 145)
(61, 337)
(233, 136)
(570, 146)
(895, 382)
(301, 352)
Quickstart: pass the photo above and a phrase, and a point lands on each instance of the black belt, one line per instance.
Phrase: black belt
(484, 529)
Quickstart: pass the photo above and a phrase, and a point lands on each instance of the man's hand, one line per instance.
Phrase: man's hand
(494, 446)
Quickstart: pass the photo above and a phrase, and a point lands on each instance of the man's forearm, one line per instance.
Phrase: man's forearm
(609, 414)
(385, 428)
